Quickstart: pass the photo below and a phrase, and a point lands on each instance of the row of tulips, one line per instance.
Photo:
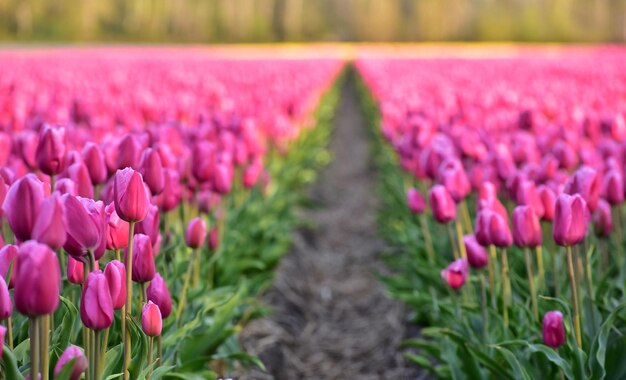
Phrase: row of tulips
(519, 162)
(147, 197)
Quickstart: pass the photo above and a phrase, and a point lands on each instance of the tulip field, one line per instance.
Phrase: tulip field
(148, 196)
(504, 188)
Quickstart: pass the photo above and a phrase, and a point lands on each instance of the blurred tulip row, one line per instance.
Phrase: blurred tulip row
(519, 162)
(123, 173)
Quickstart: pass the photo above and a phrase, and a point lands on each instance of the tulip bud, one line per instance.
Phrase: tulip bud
(614, 187)
(453, 177)
(442, 204)
(37, 281)
(65, 186)
(131, 200)
(85, 225)
(476, 254)
(27, 143)
(527, 195)
(170, 198)
(456, 273)
(150, 224)
(571, 218)
(79, 364)
(196, 233)
(75, 271)
(526, 228)
(252, 174)
(416, 201)
(50, 226)
(548, 199)
(117, 230)
(553, 329)
(585, 182)
(152, 171)
(50, 154)
(602, 219)
(151, 321)
(143, 259)
(82, 182)
(223, 180)
(6, 307)
(129, 152)
(22, 205)
(499, 231)
(158, 293)
(214, 238)
(8, 254)
(115, 272)
(96, 306)
(93, 158)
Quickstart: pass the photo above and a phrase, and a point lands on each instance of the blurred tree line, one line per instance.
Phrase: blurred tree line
(312, 20)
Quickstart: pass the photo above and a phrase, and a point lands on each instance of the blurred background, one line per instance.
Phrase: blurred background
(224, 21)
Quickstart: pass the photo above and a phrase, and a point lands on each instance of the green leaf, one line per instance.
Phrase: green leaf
(519, 372)
(554, 357)
(597, 354)
(66, 371)
(9, 365)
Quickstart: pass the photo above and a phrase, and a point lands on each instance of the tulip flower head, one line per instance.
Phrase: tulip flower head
(476, 254)
(51, 151)
(151, 320)
(96, 305)
(159, 294)
(144, 268)
(8, 255)
(442, 204)
(131, 199)
(37, 280)
(6, 306)
(50, 225)
(602, 219)
(456, 273)
(196, 233)
(152, 171)
(117, 230)
(526, 227)
(553, 329)
(115, 272)
(75, 271)
(22, 204)
(571, 218)
(416, 201)
(76, 356)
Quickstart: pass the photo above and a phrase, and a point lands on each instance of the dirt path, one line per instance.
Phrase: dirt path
(331, 318)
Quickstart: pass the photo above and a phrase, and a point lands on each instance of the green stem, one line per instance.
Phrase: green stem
(555, 273)
(531, 283)
(506, 288)
(128, 308)
(589, 285)
(493, 260)
(455, 253)
(466, 216)
(459, 239)
(430, 250)
(183, 292)
(576, 307)
(150, 343)
(483, 304)
(103, 349)
(96, 355)
(34, 347)
(45, 346)
(160, 351)
(540, 268)
(10, 332)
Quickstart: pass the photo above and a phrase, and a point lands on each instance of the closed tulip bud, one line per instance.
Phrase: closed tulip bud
(96, 306)
(94, 160)
(143, 259)
(416, 201)
(585, 182)
(196, 233)
(602, 219)
(128, 153)
(50, 226)
(150, 224)
(6, 307)
(75, 271)
(27, 143)
(453, 177)
(614, 187)
(51, 151)
(548, 199)
(214, 238)
(158, 293)
(85, 225)
(571, 218)
(117, 230)
(223, 180)
(442, 204)
(79, 364)
(526, 228)
(476, 254)
(499, 231)
(527, 195)
(553, 329)
(456, 273)
(481, 227)
(21, 205)
(82, 182)
(131, 199)
(252, 174)
(6, 144)
(115, 272)
(487, 192)
(37, 281)
(151, 320)
(65, 186)
(152, 171)
(172, 193)
(208, 200)
(8, 255)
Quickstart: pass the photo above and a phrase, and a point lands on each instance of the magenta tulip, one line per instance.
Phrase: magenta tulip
(50, 226)
(159, 294)
(75, 271)
(416, 201)
(37, 281)
(115, 272)
(65, 186)
(117, 230)
(151, 320)
(85, 225)
(79, 174)
(6, 306)
(526, 227)
(94, 160)
(548, 199)
(152, 171)
(196, 233)
(442, 204)
(131, 199)
(456, 273)
(22, 204)
(171, 196)
(128, 153)
(252, 174)
(214, 238)
(27, 143)
(553, 329)
(571, 218)
(223, 180)
(144, 268)
(51, 151)
(96, 306)
(8, 254)
(476, 254)
(79, 362)
(613, 188)
(527, 195)
(585, 182)
(150, 224)
(453, 177)
(602, 219)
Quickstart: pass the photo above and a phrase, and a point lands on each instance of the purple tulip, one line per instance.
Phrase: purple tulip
(37, 281)
(96, 306)
(131, 199)
(526, 228)
(50, 226)
(144, 268)
(51, 151)
(151, 320)
(94, 160)
(476, 254)
(417, 203)
(602, 219)
(553, 329)
(22, 205)
(152, 171)
(442, 204)
(571, 218)
(115, 273)
(79, 365)
(159, 294)
(6, 306)
(196, 233)
(456, 273)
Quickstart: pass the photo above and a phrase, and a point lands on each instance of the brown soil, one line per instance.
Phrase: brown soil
(331, 317)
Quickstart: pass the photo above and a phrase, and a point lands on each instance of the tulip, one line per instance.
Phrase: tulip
(65, 186)
(252, 174)
(150, 224)
(152, 171)
(5, 147)
(94, 160)
(151, 321)
(8, 253)
(82, 182)
(456, 273)
(416, 201)
(453, 177)
(196, 233)
(571, 218)
(131, 199)
(50, 226)
(613, 188)
(22, 204)
(476, 254)
(79, 362)
(214, 238)
(442, 204)
(115, 272)
(27, 143)
(50, 154)
(75, 271)
(4, 189)
(143, 259)
(96, 305)
(223, 180)
(6, 307)
(85, 226)
(526, 227)
(171, 196)
(585, 182)
(527, 195)
(129, 152)
(117, 230)
(548, 199)
(553, 329)
(37, 281)
(499, 232)
(3, 332)
(158, 293)
(487, 192)
(602, 219)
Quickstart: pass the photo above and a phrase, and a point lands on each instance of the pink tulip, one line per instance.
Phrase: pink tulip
(151, 320)
(131, 200)
(152, 171)
(96, 306)
(586, 182)
(571, 218)
(150, 225)
(553, 329)
(51, 151)
(196, 233)
(442, 204)
(453, 177)
(476, 254)
(75, 271)
(79, 364)
(6, 306)
(22, 204)
(456, 273)
(416, 201)
(223, 180)
(8, 254)
(129, 153)
(548, 199)
(50, 225)
(171, 196)
(527, 195)
(37, 281)
(602, 219)
(144, 268)
(526, 228)
(115, 272)
(117, 230)
(214, 238)
(94, 160)
(65, 186)
(79, 174)
(85, 226)
(27, 143)
(252, 174)
(159, 294)
(613, 188)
